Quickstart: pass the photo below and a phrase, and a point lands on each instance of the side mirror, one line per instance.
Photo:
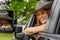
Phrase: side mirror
(11, 22)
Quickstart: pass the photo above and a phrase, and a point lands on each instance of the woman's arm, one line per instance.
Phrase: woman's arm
(32, 30)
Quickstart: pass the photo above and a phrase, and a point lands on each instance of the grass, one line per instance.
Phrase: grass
(6, 36)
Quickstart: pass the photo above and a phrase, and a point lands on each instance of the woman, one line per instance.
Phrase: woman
(42, 12)
(41, 17)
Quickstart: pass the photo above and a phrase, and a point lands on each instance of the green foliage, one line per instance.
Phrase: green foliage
(21, 8)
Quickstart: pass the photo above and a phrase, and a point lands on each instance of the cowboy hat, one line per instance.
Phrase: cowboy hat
(4, 15)
(42, 4)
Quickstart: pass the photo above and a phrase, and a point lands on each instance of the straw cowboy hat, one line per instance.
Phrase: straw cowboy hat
(4, 15)
(42, 4)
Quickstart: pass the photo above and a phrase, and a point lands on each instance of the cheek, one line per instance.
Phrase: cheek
(46, 15)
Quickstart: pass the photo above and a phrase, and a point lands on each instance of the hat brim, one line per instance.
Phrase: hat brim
(7, 18)
(44, 5)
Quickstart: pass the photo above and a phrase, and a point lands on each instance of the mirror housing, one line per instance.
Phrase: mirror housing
(11, 15)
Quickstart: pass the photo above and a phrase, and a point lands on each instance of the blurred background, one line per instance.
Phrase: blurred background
(21, 8)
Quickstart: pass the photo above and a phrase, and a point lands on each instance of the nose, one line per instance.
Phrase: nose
(41, 16)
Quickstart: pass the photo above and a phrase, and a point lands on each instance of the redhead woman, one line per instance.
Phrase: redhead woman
(42, 15)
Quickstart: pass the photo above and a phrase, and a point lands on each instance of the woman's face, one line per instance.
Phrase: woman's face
(42, 16)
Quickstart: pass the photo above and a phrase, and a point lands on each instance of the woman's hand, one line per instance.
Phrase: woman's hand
(29, 31)
(33, 30)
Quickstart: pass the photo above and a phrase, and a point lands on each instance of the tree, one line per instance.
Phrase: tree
(22, 8)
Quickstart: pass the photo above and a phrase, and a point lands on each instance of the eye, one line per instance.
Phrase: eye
(38, 14)
(43, 13)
